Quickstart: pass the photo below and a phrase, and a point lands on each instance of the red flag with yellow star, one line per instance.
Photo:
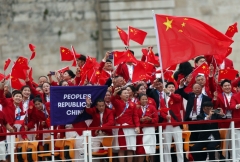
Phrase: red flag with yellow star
(66, 54)
(118, 57)
(22, 63)
(142, 71)
(151, 58)
(63, 69)
(129, 57)
(232, 29)
(123, 35)
(183, 38)
(136, 35)
(16, 83)
(200, 70)
(227, 74)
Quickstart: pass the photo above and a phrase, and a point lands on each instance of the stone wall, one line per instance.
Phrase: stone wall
(48, 24)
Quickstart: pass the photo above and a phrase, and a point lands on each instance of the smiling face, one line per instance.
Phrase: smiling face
(143, 100)
(26, 92)
(107, 97)
(226, 87)
(142, 90)
(17, 98)
(38, 105)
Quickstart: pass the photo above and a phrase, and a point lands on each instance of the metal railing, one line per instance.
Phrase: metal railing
(83, 147)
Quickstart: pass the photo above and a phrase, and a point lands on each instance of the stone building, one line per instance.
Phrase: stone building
(90, 26)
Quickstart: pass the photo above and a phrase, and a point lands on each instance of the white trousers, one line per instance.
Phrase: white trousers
(176, 133)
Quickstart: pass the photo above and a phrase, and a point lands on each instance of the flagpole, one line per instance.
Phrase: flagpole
(74, 55)
(159, 51)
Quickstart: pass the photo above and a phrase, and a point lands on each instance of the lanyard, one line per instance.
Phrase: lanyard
(144, 109)
(45, 112)
(224, 98)
(200, 101)
(126, 106)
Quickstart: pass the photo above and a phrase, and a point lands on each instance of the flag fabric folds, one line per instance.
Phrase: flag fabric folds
(183, 38)
(136, 35)
(123, 35)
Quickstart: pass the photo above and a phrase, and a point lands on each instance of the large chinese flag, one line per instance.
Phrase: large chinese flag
(183, 38)
(227, 74)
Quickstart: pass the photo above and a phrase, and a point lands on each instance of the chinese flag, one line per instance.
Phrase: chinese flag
(183, 38)
(142, 71)
(32, 49)
(1, 77)
(66, 54)
(118, 57)
(136, 35)
(103, 77)
(21, 63)
(19, 73)
(231, 30)
(227, 74)
(15, 83)
(151, 58)
(202, 69)
(63, 69)
(123, 35)
(129, 57)
(168, 76)
(94, 76)
(7, 62)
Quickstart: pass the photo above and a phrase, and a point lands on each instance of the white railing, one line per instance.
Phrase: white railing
(86, 152)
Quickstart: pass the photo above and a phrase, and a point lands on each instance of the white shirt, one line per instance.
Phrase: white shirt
(228, 96)
(0, 107)
(222, 65)
(48, 98)
(101, 117)
(130, 70)
(199, 102)
(204, 91)
(25, 105)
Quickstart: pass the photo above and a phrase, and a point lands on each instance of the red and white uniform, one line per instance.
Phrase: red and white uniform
(125, 114)
(148, 139)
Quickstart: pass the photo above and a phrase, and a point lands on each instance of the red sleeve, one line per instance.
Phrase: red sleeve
(176, 97)
(32, 119)
(235, 82)
(212, 85)
(233, 102)
(53, 83)
(24, 136)
(110, 119)
(90, 111)
(135, 117)
(33, 90)
(3, 99)
(77, 80)
(215, 103)
(115, 101)
(101, 65)
(119, 70)
(164, 115)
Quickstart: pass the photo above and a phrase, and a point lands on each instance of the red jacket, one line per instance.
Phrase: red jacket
(130, 116)
(150, 102)
(122, 70)
(174, 104)
(107, 120)
(150, 112)
(35, 92)
(32, 119)
(219, 103)
(8, 109)
(235, 112)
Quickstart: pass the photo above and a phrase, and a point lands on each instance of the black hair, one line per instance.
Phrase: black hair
(25, 86)
(199, 58)
(159, 80)
(199, 75)
(132, 88)
(108, 60)
(169, 83)
(40, 86)
(99, 100)
(61, 82)
(37, 99)
(16, 92)
(47, 83)
(225, 81)
(82, 58)
(120, 92)
(207, 104)
(70, 73)
(138, 86)
(140, 95)
(156, 54)
(184, 68)
(42, 76)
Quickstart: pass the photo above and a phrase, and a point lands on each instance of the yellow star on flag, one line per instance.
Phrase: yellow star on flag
(168, 24)
(63, 50)
(183, 24)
